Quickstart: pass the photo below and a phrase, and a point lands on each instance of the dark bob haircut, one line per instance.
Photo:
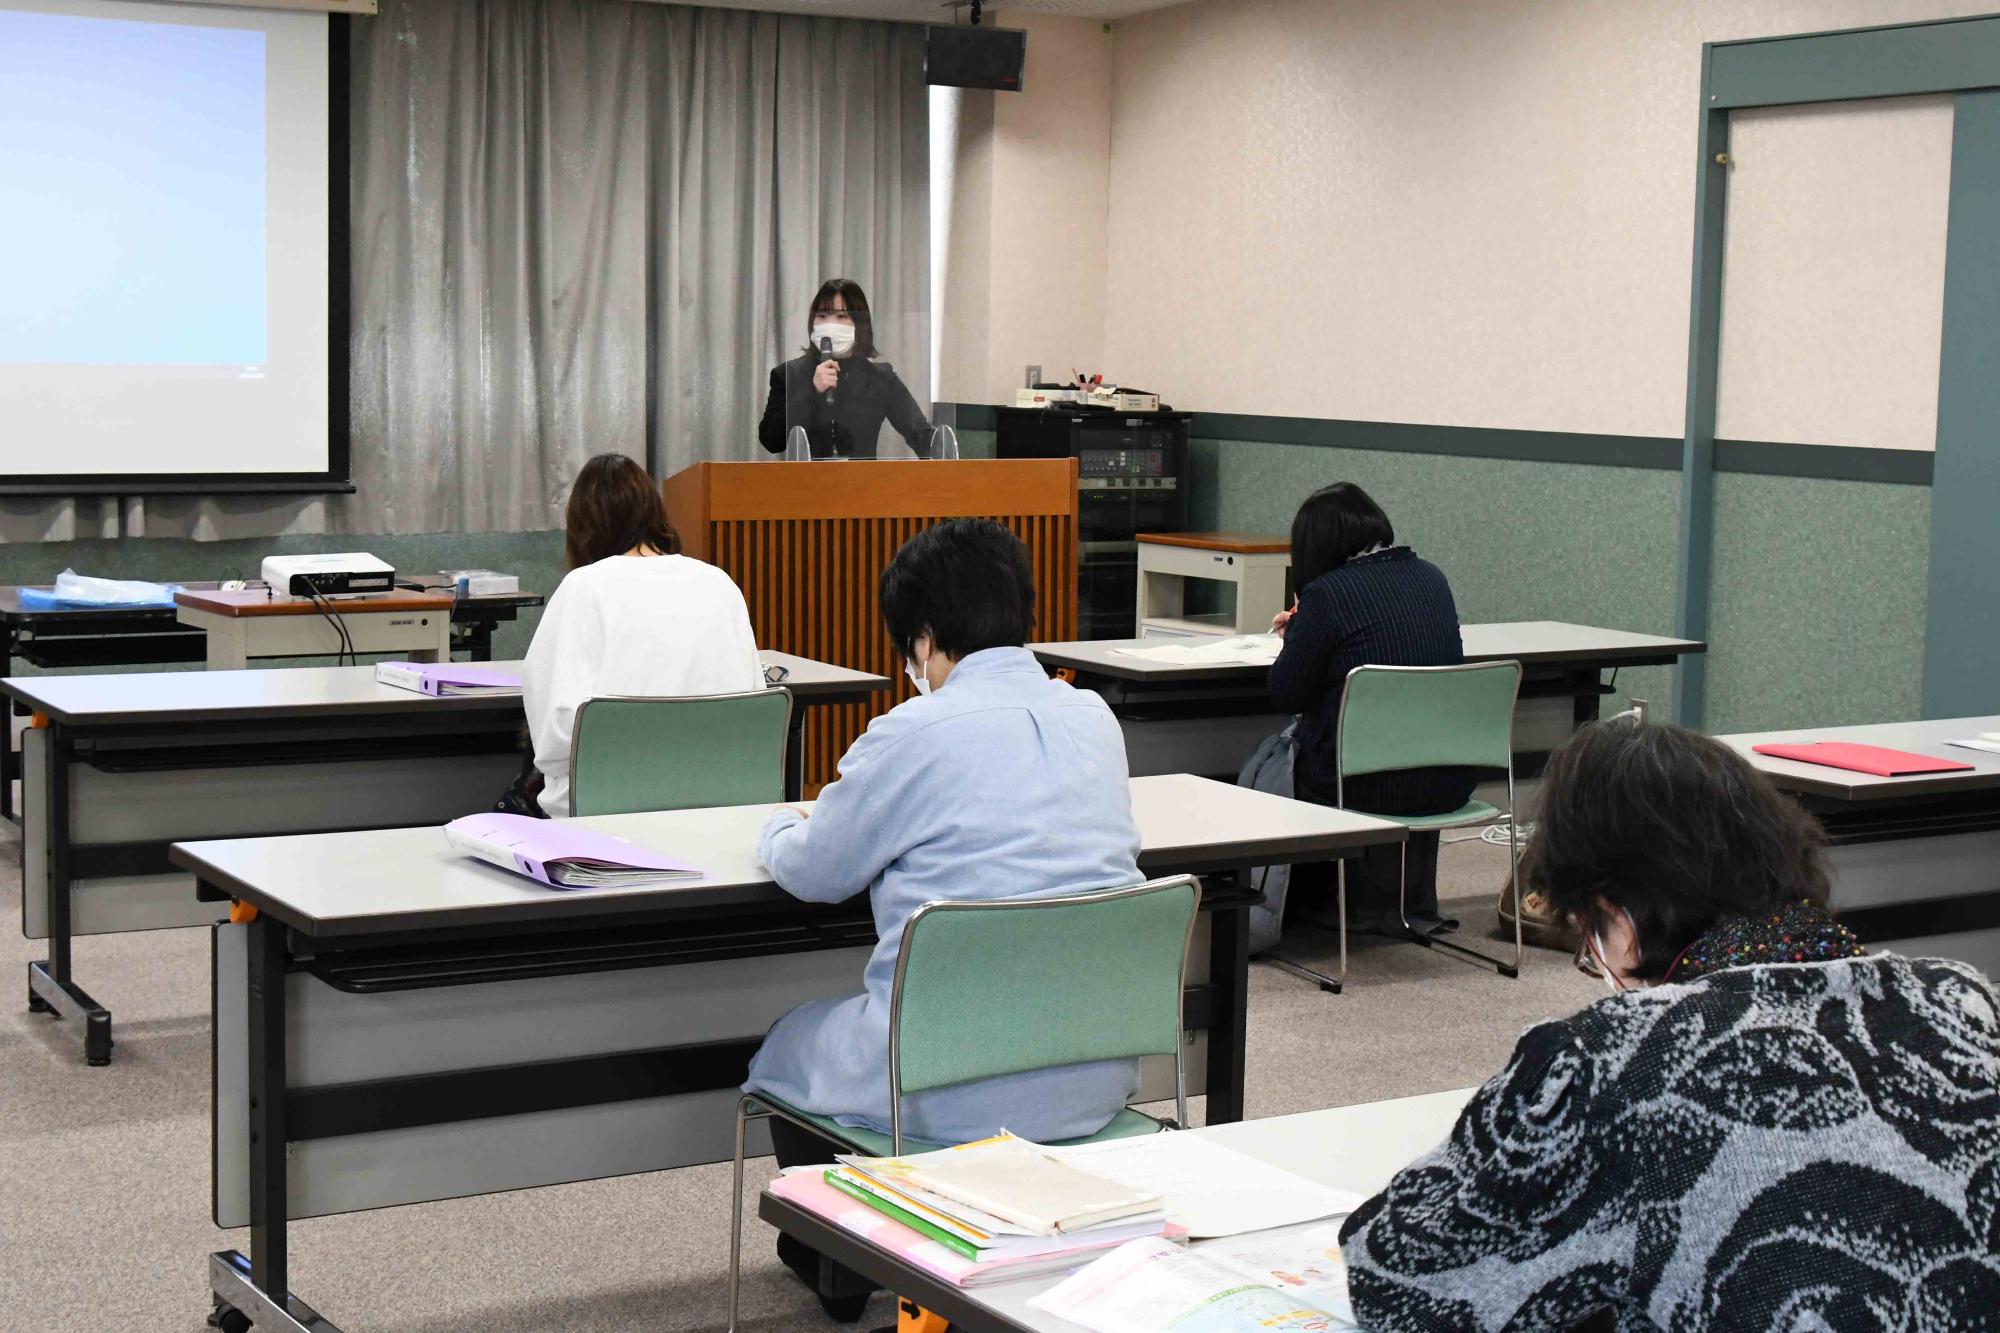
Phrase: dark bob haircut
(613, 507)
(966, 583)
(849, 291)
(1335, 524)
(1672, 827)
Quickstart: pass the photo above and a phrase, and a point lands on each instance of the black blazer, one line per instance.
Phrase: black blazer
(1386, 609)
(869, 393)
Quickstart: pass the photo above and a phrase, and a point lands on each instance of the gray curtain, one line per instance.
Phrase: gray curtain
(586, 225)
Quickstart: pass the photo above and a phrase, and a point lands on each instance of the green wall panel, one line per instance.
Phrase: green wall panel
(1818, 606)
(1820, 585)
(1519, 540)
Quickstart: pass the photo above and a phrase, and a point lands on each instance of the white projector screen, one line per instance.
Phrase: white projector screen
(168, 317)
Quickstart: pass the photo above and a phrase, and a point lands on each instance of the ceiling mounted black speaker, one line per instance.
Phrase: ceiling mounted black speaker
(963, 57)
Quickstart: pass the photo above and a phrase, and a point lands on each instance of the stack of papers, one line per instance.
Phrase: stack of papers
(1237, 649)
(447, 679)
(1004, 1207)
(557, 853)
(1989, 741)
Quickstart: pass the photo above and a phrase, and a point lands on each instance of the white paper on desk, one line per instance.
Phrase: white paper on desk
(1209, 1189)
(1305, 1261)
(1155, 1286)
(1238, 649)
(1978, 743)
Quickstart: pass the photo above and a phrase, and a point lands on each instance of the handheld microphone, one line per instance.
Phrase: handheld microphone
(826, 350)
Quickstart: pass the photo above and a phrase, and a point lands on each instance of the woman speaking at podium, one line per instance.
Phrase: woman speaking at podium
(837, 392)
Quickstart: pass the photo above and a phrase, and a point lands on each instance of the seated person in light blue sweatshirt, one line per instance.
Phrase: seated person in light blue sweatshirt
(995, 782)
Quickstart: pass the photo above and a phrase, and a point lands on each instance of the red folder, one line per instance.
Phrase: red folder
(1863, 758)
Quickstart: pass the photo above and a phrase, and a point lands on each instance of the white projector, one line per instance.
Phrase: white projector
(327, 575)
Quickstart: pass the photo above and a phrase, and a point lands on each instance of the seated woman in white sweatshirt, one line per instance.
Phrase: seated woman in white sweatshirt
(632, 617)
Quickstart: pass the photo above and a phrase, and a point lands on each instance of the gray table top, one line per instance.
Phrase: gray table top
(155, 697)
(381, 881)
(1532, 642)
(1916, 737)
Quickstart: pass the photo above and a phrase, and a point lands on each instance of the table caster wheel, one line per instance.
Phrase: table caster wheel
(230, 1320)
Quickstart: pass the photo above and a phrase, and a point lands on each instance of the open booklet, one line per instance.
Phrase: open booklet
(557, 853)
(1288, 1280)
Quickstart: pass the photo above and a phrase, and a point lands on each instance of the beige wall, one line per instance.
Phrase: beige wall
(1833, 288)
(1479, 213)
(1023, 266)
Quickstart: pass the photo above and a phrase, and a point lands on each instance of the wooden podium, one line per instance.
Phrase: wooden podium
(807, 543)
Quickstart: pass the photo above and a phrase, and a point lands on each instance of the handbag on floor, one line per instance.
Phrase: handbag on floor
(1539, 924)
(524, 795)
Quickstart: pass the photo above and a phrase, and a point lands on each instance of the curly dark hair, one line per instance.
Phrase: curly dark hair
(1672, 827)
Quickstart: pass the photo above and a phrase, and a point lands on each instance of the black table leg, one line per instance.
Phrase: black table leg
(1585, 702)
(1229, 973)
(795, 753)
(256, 1291)
(268, 1208)
(10, 758)
(50, 985)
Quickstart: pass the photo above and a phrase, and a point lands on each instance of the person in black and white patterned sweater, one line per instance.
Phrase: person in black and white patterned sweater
(1763, 1129)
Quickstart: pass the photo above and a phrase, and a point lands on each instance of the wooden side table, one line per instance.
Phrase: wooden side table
(257, 623)
(1257, 565)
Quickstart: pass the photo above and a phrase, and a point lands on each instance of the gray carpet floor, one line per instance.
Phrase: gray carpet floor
(104, 1182)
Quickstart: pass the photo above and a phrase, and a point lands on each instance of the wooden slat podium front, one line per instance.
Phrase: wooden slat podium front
(807, 543)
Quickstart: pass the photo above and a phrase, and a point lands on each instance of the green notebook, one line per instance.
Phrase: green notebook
(956, 1244)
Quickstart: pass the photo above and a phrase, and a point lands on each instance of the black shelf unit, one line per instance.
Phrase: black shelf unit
(1133, 478)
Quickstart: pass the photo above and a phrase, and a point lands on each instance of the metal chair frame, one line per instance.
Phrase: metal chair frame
(1452, 949)
(750, 1106)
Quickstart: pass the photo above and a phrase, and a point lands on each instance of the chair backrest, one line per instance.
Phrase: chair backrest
(989, 988)
(1428, 717)
(679, 754)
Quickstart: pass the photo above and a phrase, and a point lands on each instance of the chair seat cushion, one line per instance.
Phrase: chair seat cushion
(1127, 1124)
(1472, 812)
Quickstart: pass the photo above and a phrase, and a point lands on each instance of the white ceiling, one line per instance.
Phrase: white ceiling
(936, 11)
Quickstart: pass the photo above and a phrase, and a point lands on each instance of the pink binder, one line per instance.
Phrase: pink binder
(1863, 758)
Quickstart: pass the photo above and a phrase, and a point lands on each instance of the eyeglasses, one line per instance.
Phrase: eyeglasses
(1586, 961)
(776, 673)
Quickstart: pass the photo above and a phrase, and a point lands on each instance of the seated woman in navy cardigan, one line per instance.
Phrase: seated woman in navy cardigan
(1365, 601)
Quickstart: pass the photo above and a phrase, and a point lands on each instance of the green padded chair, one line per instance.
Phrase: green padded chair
(679, 754)
(1394, 718)
(990, 988)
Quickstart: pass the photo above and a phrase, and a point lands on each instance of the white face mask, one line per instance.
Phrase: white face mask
(915, 670)
(833, 331)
